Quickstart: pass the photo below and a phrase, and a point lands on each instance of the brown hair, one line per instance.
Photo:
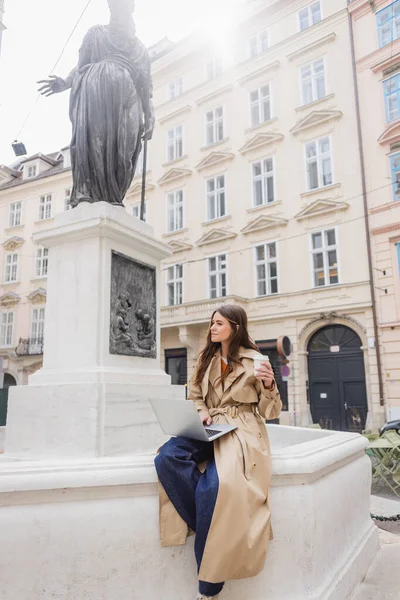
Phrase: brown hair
(237, 317)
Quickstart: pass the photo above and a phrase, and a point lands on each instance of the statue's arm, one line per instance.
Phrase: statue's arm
(69, 80)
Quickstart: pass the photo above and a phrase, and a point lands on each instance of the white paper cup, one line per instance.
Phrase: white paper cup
(258, 361)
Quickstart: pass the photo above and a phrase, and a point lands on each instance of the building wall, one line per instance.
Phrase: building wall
(381, 138)
(298, 309)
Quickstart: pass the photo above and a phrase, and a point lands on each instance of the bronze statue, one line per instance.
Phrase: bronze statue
(111, 107)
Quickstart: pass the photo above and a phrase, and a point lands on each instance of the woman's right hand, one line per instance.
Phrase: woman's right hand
(205, 417)
(53, 85)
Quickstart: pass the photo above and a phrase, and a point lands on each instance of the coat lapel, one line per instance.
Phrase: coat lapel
(238, 370)
(215, 374)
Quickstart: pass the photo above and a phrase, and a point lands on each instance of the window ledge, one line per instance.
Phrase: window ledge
(314, 103)
(220, 142)
(170, 233)
(43, 220)
(11, 229)
(38, 278)
(268, 205)
(261, 125)
(333, 186)
(173, 162)
(218, 220)
(12, 282)
(326, 286)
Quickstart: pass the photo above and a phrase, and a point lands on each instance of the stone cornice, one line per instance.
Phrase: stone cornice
(328, 39)
(214, 236)
(174, 175)
(261, 140)
(379, 57)
(213, 159)
(359, 8)
(316, 117)
(386, 229)
(321, 207)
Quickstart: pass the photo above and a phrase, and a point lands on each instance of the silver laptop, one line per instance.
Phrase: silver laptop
(180, 417)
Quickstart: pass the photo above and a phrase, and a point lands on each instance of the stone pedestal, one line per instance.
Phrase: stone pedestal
(87, 401)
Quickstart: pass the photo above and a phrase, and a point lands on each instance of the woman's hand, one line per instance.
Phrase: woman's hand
(266, 374)
(205, 417)
(53, 85)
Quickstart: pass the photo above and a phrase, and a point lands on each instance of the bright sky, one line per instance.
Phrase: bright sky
(36, 33)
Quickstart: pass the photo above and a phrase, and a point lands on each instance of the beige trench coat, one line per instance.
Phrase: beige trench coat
(240, 530)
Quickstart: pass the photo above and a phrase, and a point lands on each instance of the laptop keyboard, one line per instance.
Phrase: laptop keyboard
(211, 432)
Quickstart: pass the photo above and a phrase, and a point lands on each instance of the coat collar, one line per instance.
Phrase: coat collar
(213, 372)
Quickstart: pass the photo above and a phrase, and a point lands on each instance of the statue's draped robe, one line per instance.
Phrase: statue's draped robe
(110, 87)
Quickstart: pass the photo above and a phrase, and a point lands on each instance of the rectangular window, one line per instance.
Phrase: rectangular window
(175, 143)
(391, 90)
(11, 268)
(216, 201)
(214, 68)
(266, 269)
(136, 211)
(31, 172)
(324, 258)
(175, 211)
(260, 105)
(214, 125)
(42, 262)
(175, 88)
(67, 198)
(175, 285)
(313, 85)
(310, 15)
(388, 22)
(263, 182)
(6, 329)
(319, 164)
(395, 170)
(15, 214)
(258, 44)
(217, 272)
(37, 325)
(45, 207)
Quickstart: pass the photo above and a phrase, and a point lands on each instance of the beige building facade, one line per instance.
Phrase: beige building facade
(2, 26)
(377, 59)
(254, 181)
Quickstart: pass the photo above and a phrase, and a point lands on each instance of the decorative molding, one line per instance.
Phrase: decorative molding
(329, 317)
(387, 63)
(391, 133)
(13, 243)
(320, 190)
(179, 246)
(315, 103)
(263, 222)
(316, 117)
(136, 189)
(9, 299)
(385, 229)
(175, 113)
(260, 141)
(214, 236)
(259, 72)
(328, 39)
(174, 175)
(321, 207)
(215, 158)
(38, 296)
(215, 94)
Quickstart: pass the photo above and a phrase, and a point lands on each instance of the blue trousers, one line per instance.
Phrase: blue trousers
(192, 493)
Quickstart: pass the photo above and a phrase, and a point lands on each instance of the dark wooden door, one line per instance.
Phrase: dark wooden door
(336, 373)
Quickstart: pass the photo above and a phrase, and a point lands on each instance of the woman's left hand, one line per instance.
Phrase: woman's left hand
(266, 374)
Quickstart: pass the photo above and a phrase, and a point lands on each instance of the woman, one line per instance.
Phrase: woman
(111, 94)
(225, 503)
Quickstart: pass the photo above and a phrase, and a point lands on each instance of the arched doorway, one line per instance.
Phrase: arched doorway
(338, 396)
(9, 381)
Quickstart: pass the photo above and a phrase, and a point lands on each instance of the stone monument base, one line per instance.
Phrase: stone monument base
(88, 529)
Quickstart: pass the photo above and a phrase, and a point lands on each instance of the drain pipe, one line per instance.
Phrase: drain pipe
(366, 216)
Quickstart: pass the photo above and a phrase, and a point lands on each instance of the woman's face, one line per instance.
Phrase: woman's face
(221, 329)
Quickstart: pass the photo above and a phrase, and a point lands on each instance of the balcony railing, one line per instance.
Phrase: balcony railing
(29, 347)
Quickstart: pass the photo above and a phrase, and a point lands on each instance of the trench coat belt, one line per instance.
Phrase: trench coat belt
(231, 413)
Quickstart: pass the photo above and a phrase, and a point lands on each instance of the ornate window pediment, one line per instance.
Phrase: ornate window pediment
(316, 117)
(173, 175)
(391, 133)
(9, 299)
(38, 296)
(137, 188)
(215, 158)
(261, 140)
(321, 207)
(214, 236)
(178, 246)
(13, 243)
(263, 222)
